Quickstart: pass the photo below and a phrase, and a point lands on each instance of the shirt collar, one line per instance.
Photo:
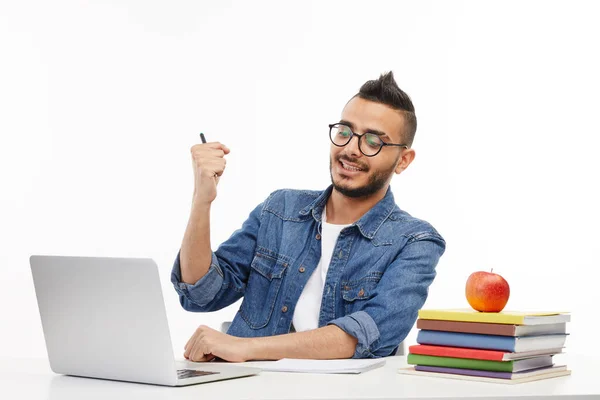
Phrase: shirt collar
(368, 224)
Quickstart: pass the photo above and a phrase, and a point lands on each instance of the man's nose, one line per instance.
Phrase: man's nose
(352, 148)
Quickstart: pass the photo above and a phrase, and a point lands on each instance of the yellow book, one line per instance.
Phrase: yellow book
(503, 317)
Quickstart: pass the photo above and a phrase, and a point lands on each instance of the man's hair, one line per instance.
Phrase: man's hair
(385, 90)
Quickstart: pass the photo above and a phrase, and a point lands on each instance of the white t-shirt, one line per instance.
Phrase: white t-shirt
(306, 314)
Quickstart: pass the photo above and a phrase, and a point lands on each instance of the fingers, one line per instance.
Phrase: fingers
(199, 356)
(188, 343)
(212, 146)
(189, 347)
(204, 358)
(197, 348)
(216, 145)
(209, 165)
(205, 153)
(212, 168)
(209, 158)
(193, 343)
(214, 152)
(194, 351)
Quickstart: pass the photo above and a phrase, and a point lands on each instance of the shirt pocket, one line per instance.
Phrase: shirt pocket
(264, 283)
(356, 293)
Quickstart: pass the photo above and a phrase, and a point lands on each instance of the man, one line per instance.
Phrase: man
(327, 274)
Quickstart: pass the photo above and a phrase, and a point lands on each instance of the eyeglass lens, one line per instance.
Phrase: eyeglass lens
(369, 143)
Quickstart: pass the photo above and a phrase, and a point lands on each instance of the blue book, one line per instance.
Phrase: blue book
(491, 342)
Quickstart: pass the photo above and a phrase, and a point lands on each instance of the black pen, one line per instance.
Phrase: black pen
(202, 137)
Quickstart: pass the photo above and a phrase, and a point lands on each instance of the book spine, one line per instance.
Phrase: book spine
(496, 318)
(468, 372)
(464, 363)
(456, 352)
(467, 327)
(469, 340)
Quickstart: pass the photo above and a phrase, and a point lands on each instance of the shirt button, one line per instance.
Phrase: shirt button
(284, 309)
(318, 237)
(361, 293)
(301, 269)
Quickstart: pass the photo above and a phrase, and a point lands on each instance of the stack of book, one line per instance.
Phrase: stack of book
(506, 347)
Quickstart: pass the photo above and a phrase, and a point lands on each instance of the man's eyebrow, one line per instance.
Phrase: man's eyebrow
(347, 123)
(374, 131)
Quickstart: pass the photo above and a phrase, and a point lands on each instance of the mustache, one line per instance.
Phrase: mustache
(353, 161)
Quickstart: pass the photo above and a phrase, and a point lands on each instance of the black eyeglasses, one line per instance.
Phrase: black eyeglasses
(369, 143)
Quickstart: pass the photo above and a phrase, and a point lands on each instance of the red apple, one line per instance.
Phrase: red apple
(487, 291)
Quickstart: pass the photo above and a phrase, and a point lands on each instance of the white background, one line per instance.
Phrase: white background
(101, 101)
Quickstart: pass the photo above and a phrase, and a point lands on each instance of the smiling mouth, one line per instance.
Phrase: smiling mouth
(349, 167)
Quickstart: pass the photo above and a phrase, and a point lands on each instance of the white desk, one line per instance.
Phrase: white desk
(33, 379)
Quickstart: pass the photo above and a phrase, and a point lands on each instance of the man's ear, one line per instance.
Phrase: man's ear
(407, 157)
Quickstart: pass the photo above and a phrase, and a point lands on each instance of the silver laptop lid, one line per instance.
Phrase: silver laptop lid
(104, 318)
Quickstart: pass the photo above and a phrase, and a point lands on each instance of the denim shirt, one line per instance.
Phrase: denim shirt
(378, 278)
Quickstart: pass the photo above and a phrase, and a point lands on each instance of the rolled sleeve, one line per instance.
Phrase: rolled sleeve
(384, 320)
(195, 297)
(363, 328)
(226, 278)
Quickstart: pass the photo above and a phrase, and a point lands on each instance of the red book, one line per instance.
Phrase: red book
(477, 354)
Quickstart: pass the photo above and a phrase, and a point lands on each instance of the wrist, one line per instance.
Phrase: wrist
(252, 346)
(201, 205)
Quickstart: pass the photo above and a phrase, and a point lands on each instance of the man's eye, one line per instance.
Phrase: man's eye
(373, 140)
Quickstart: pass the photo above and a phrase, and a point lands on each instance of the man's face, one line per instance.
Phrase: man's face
(374, 173)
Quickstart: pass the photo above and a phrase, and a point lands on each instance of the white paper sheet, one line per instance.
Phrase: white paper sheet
(346, 366)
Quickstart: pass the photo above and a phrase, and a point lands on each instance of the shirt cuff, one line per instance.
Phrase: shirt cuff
(205, 289)
(362, 327)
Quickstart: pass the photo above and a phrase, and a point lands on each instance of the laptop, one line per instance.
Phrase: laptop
(105, 318)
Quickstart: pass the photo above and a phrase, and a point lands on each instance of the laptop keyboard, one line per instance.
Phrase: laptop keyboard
(192, 373)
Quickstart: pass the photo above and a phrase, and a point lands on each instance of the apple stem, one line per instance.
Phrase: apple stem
(492, 270)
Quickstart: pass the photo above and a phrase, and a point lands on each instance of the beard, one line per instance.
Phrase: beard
(376, 180)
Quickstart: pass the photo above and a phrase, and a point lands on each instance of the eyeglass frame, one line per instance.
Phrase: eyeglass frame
(359, 136)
